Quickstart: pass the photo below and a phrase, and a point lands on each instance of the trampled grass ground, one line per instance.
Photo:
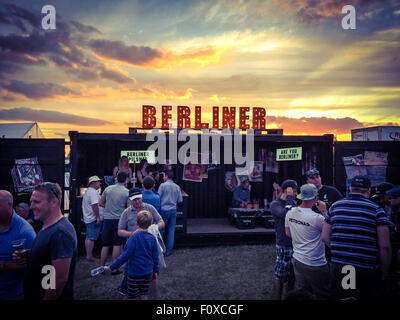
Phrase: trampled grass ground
(226, 272)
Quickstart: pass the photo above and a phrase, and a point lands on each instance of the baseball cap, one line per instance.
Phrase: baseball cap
(311, 172)
(307, 192)
(394, 192)
(245, 179)
(289, 183)
(360, 182)
(135, 193)
(382, 188)
(93, 179)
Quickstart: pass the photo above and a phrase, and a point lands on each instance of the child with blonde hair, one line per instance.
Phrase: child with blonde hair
(142, 254)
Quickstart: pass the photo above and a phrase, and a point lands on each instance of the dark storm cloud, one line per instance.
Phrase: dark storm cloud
(312, 12)
(63, 47)
(37, 90)
(117, 50)
(27, 114)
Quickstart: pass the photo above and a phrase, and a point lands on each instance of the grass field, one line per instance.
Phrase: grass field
(227, 272)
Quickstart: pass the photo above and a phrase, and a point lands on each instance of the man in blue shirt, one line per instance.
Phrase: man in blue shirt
(12, 228)
(171, 195)
(357, 231)
(149, 196)
(241, 195)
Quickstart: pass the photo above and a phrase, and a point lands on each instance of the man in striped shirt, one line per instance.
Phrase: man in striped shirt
(357, 231)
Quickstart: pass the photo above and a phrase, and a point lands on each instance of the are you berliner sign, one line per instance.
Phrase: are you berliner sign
(287, 154)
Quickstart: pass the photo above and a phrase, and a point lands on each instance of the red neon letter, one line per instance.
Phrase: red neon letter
(243, 117)
(148, 113)
(197, 121)
(165, 116)
(183, 114)
(216, 117)
(259, 118)
(228, 117)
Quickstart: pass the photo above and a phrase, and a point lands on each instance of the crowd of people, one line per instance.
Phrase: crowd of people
(131, 222)
(334, 247)
(327, 246)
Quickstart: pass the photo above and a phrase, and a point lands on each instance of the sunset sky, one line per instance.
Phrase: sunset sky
(106, 59)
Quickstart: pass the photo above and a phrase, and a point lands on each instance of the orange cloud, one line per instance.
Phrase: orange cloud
(158, 59)
(100, 93)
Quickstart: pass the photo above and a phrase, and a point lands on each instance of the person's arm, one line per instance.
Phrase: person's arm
(130, 174)
(278, 210)
(128, 252)
(180, 198)
(385, 250)
(13, 266)
(102, 202)
(326, 233)
(123, 225)
(61, 268)
(287, 231)
(115, 172)
(321, 206)
(95, 208)
(124, 234)
(140, 176)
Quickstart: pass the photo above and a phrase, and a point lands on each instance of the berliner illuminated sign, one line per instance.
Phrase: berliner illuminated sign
(228, 118)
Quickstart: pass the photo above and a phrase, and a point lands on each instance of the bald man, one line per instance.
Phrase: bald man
(12, 228)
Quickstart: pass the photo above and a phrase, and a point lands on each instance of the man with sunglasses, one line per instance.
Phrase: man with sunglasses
(54, 251)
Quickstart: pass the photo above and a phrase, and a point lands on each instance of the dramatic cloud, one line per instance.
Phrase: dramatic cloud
(311, 12)
(159, 59)
(63, 47)
(27, 114)
(315, 125)
(37, 90)
(117, 50)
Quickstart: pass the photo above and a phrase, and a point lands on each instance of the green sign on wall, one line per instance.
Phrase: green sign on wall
(137, 155)
(288, 154)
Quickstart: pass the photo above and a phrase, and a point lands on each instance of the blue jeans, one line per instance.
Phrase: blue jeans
(169, 218)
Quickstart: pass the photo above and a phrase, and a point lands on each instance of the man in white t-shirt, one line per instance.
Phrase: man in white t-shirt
(91, 215)
(304, 226)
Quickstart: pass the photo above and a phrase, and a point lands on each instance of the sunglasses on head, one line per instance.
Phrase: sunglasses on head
(50, 186)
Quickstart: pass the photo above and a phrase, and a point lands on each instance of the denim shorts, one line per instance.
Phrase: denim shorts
(93, 230)
(110, 233)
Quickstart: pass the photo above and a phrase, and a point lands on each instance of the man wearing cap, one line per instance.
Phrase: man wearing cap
(380, 197)
(327, 194)
(127, 226)
(304, 226)
(241, 195)
(357, 231)
(114, 200)
(284, 248)
(91, 215)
